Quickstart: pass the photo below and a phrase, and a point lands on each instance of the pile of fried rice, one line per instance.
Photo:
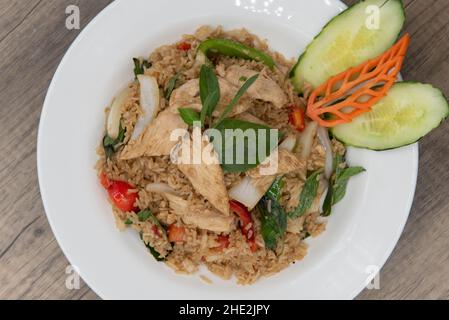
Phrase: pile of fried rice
(199, 245)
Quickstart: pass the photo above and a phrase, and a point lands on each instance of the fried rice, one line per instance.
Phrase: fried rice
(201, 246)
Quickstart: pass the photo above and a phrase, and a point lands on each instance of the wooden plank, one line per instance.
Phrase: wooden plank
(33, 39)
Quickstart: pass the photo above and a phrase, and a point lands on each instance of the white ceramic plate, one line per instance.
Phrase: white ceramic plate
(361, 233)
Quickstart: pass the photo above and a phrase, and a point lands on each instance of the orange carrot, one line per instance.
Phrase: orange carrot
(353, 92)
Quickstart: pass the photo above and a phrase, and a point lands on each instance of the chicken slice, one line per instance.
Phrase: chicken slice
(155, 141)
(199, 216)
(209, 220)
(263, 88)
(188, 96)
(287, 162)
(207, 177)
(246, 116)
(262, 183)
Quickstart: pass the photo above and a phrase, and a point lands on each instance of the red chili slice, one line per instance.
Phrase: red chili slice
(246, 223)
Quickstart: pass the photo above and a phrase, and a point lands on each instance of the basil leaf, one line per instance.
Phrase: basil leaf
(327, 204)
(209, 91)
(237, 97)
(246, 135)
(308, 194)
(128, 222)
(110, 145)
(144, 215)
(276, 189)
(189, 116)
(171, 86)
(153, 251)
(147, 215)
(121, 135)
(339, 183)
(139, 67)
(208, 104)
(155, 254)
(273, 221)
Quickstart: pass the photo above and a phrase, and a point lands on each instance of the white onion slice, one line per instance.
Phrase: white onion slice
(323, 135)
(200, 59)
(324, 185)
(115, 113)
(161, 188)
(306, 140)
(289, 143)
(245, 193)
(149, 102)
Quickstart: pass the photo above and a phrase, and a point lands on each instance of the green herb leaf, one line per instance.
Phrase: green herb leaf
(209, 91)
(276, 189)
(110, 145)
(171, 85)
(144, 215)
(273, 221)
(139, 66)
(189, 116)
(237, 97)
(243, 78)
(153, 251)
(208, 104)
(235, 133)
(128, 222)
(147, 215)
(339, 183)
(155, 254)
(308, 194)
(327, 204)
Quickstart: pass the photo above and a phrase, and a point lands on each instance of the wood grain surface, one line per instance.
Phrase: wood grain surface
(33, 39)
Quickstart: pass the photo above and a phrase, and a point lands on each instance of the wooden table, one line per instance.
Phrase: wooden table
(33, 39)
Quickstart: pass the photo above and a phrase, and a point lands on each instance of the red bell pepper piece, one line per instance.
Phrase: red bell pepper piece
(184, 46)
(297, 118)
(246, 223)
(119, 193)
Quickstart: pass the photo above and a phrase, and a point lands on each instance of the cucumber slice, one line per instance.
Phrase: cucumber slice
(409, 111)
(346, 41)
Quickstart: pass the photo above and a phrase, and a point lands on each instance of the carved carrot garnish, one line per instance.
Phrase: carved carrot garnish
(353, 92)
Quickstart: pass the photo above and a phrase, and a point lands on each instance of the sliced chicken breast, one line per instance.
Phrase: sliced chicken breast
(287, 162)
(188, 96)
(246, 116)
(207, 177)
(210, 220)
(264, 88)
(155, 141)
(202, 218)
